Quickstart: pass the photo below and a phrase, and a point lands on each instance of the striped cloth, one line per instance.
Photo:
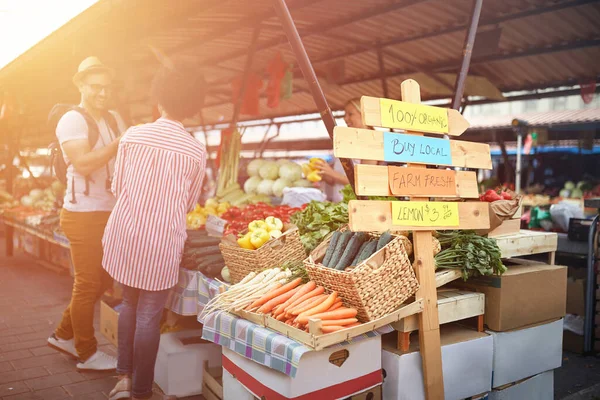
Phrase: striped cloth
(263, 345)
(157, 180)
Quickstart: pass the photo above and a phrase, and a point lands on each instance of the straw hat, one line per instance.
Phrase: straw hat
(91, 64)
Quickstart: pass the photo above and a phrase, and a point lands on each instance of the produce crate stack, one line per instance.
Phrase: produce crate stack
(419, 184)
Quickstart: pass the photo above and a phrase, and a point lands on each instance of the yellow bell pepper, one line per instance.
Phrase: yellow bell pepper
(210, 211)
(273, 224)
(222, 207)
(314, 161)
(257, 224)
(245, 242)
(314, 176)
(306, 169)
(258, 237)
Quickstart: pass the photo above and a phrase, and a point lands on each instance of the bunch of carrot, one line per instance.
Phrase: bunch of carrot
(294, 303)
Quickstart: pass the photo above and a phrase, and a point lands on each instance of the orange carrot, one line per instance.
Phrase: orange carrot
(339, 322)
(309, 304)
(332, 328)
(316, 291)
(318, 308)
(351, 325)
(289, 322)
(256, 304)
(305, 303)
(281, 317)
(304, 289)
(269, 305)
(278, 290)
(340, 313)
(335, 306)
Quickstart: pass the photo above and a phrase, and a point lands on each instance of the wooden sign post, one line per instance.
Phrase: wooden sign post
(418, 183)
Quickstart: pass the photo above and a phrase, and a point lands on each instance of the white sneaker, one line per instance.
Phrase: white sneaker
(98, 362)
(66, 346)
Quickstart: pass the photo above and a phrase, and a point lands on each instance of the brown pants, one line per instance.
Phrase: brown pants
(84, 231)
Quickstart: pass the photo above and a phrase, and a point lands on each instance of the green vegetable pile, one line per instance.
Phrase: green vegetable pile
(473, 254)
(348, 249)
(317, 220)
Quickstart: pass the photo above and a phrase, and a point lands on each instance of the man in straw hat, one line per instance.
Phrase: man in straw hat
(89, 136)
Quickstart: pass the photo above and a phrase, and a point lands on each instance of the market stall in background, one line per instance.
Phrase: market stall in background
(421, 275)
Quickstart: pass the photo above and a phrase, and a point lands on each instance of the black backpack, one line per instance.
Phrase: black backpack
(58, 164)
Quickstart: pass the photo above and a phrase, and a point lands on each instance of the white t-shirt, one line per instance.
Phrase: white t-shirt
(72, 126)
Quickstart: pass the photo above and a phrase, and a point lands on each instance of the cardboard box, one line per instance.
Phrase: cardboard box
(335, 373)
(179, 365)
(369, 394)
(523, 353)
(466, 363)
(576, 296)
(526, 294)
(109, 321)
(539, 387)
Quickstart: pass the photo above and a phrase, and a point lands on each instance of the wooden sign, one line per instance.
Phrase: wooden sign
(378, 180)
(425, 213)
(387, 113)
(378, 216)
(368, 144)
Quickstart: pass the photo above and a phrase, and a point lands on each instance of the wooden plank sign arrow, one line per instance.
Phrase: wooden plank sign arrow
(378, 180)
(380, 216)
(368, 144)
(388, 113)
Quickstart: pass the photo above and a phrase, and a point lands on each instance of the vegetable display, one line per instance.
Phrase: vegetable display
(494, 195)
(238, 219)
(317, 220)
(269, 178)
(197, 218)
(295, 303)
(201, 253)
(260, 232)
(472, 254)
(250, 289)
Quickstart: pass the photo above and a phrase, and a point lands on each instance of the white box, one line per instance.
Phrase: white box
(179, 366)
(316, 376)
(539, 387)
(523, 353)
(466, 363)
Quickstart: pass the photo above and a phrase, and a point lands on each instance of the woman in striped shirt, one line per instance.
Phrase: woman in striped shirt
(158, 177)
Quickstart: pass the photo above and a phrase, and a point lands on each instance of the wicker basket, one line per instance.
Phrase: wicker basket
(274, 253)
(376, 287)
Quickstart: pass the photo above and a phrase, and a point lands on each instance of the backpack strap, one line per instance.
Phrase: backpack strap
(112, 123)
(93, 131)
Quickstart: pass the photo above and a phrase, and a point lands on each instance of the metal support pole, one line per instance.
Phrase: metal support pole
(384, 84)
(461, 77)
(311, 78)
(590, 288)
(247, 70)
(518, 167)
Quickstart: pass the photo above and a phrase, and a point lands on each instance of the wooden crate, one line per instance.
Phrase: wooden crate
(212, 382)
(453, 305)
(318, 341)
(525, 243)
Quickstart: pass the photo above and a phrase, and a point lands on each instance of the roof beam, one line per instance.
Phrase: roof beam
(448, 65)
(456, 28)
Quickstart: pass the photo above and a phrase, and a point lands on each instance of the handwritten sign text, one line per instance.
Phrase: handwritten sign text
(215, 226)
(415, 117)
(421, 182)
(422, 213)
(418, 149)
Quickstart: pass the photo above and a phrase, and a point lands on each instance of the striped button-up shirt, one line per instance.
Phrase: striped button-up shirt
(158, 177)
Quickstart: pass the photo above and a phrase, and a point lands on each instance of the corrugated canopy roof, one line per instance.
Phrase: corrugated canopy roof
(587, 116)
(521, 45)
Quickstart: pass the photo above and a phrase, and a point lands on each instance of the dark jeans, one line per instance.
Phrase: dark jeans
(139, 336)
